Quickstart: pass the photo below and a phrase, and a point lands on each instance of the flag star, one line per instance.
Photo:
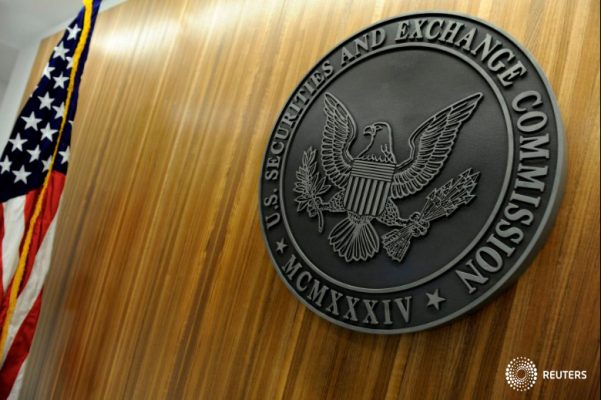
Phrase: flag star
(434, 299)
(45, 101)
(47, 70)
(60, 51)
(46, 164)
(60, 81)
(34, 154)
(5, 165)
(47, 132)
(65, 155)
(17, 142)
(59, 111)
(21, 174)
(69, 62)
(31, 121)
(73, 32)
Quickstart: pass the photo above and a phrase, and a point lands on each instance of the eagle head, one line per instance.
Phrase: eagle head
(373, 129)
(374, 149)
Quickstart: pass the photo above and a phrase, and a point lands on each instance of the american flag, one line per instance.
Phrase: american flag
(33, 167)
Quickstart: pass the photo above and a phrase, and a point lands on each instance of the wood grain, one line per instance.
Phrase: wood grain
(161, 286)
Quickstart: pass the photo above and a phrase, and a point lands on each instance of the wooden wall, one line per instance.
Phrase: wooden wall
(161, 286)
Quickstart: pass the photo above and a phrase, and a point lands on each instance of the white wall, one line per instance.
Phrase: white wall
(2, 90)
(11, 101)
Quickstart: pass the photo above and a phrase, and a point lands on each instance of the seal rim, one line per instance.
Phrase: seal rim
(540, 235)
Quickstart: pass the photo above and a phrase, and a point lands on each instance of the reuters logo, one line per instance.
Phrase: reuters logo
(521, 374)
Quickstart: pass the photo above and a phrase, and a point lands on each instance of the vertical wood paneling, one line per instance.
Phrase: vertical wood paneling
(161, 286)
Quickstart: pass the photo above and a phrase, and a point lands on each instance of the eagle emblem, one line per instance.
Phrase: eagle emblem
(369, 183)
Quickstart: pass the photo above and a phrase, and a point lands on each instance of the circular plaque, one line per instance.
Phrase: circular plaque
(412, 174)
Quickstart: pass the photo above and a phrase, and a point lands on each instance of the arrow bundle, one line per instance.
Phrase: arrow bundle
(441, 202)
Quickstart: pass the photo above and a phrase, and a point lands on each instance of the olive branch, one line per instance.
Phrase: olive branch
(310, 186)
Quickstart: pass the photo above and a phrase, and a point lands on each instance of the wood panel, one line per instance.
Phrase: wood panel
(161, 286)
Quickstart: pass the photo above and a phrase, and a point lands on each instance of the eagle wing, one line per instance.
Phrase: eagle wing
(430, 144)
(339, 133)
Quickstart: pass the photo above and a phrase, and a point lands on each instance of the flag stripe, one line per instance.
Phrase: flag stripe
(33, 287)
(20, 349)
(49, 210)
(14, 223)
(18, 383)
(50, 207)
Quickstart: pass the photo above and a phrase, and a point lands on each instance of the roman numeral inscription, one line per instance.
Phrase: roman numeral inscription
(360, 311)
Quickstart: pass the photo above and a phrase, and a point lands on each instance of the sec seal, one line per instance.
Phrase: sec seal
(412, 174)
